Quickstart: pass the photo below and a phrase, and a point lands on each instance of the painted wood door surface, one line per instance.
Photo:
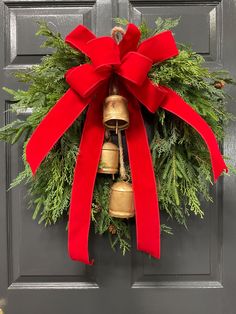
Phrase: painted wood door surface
(197, 271)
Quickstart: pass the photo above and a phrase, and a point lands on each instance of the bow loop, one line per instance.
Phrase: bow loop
(159, 47)
(130, 40)
(79, 38)
(135, 67)
(84, 79)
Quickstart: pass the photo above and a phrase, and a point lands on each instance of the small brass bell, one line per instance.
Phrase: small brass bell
(121, 200)
(109, 159)
(115, 113)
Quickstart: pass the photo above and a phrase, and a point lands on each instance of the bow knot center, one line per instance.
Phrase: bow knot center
(103, 51)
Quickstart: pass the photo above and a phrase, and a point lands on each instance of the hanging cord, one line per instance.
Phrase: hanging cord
(115, 33)
(122, 164)
(114, 91)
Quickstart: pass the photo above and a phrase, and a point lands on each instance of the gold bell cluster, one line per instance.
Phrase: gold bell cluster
(116, 119)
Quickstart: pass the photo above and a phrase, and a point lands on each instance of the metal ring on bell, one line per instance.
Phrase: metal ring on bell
(115, 113)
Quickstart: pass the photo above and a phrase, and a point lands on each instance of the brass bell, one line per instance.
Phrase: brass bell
(109, 159)
(115, 113)
(121, 200)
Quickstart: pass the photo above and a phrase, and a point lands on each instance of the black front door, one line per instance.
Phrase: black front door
(196, 273)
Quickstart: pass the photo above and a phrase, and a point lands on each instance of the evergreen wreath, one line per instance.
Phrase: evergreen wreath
(180, 158)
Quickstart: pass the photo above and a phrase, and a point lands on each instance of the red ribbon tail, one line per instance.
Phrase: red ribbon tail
(84, 180)
(144, 184)
(53, 126)
(176, 105)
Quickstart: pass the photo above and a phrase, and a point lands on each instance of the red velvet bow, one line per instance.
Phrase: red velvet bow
(89, 86)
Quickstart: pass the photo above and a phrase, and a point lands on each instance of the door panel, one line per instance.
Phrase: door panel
(196, 273)
(20, 18)
(193, 258)
(37, 256)
(199, 26)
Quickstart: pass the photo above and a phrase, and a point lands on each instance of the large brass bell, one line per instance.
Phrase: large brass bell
(115, 113)
(121, 200)
(109, 160)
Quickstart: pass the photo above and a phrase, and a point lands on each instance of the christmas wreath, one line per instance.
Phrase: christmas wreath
(180, 157)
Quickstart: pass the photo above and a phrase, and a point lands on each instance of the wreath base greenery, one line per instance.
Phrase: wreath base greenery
(180, 158)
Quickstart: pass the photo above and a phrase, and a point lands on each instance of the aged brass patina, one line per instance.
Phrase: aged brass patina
(109, 160)
(121, 200)
(115, 113)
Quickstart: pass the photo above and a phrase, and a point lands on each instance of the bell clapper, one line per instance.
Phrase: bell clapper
(107, 135)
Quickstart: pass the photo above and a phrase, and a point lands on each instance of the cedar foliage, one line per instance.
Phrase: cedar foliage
(180, 158)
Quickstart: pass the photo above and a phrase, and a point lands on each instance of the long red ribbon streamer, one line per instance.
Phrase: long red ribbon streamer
(89, 86)
(145, 191)
(84, 179)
